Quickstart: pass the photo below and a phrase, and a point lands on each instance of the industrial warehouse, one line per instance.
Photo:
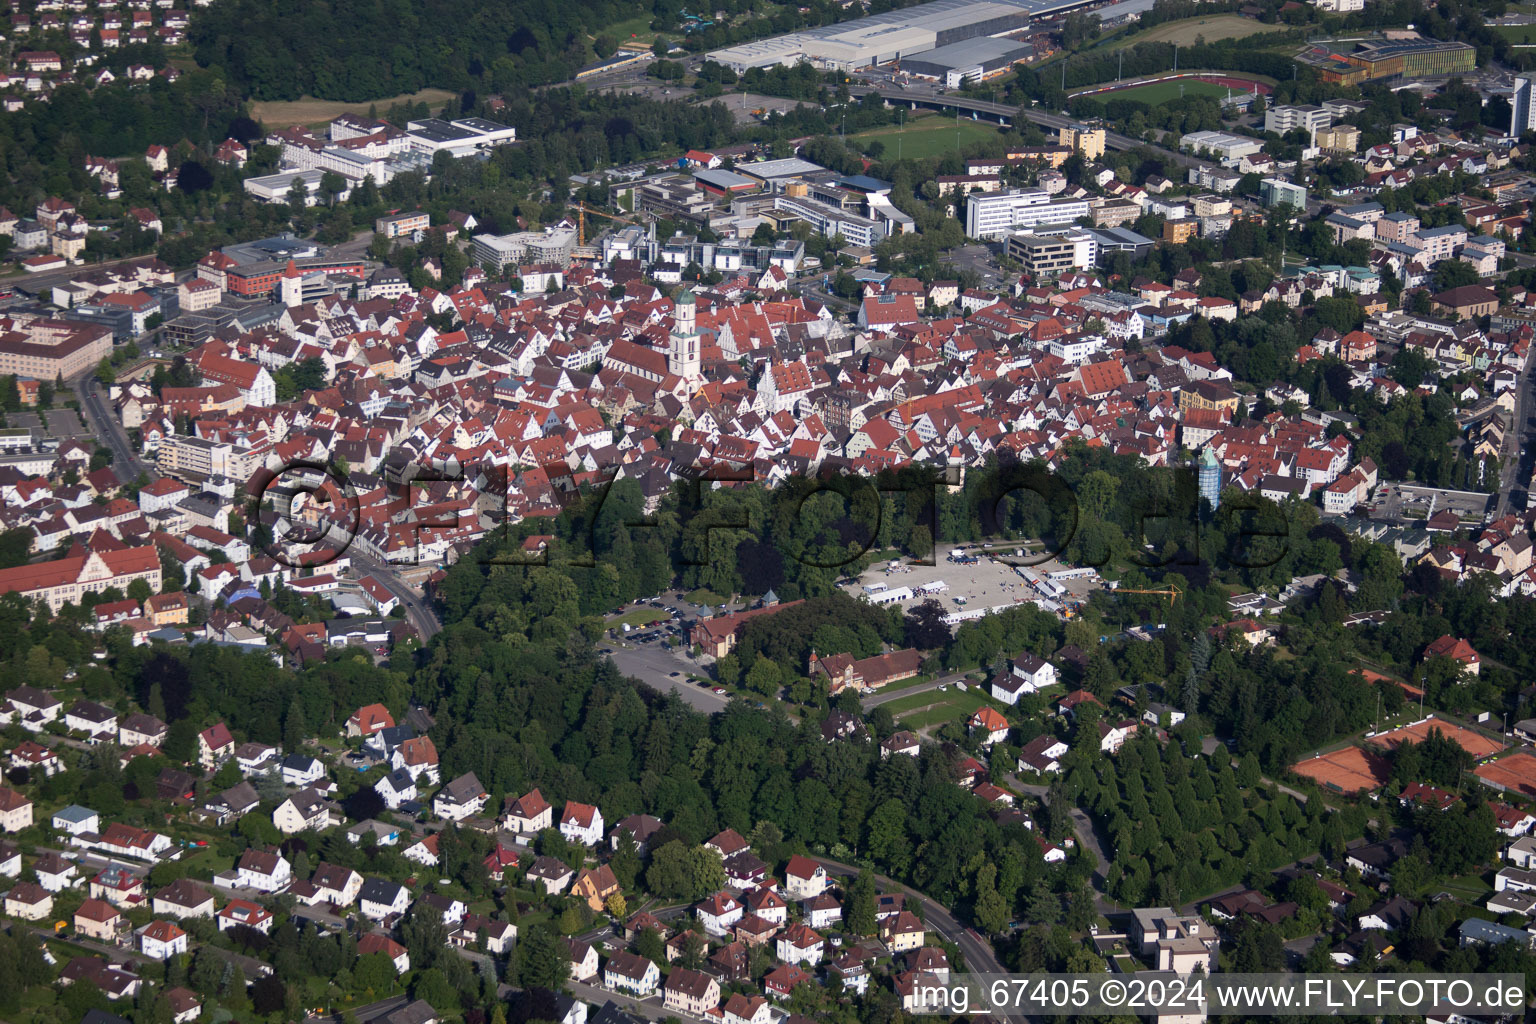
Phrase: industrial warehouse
(967, 61)
(907, 34)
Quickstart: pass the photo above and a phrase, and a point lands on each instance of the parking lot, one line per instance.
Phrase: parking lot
(989, 583)
(658, 654)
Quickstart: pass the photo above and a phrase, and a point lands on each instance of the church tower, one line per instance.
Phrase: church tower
(683, 357)
(290, 287)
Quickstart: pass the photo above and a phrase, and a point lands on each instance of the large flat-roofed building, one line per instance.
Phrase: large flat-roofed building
(48, 349)
(190, 458)
(891, 35)
(1084, 139)
(1522, 109)
(771, 172)
(1283, 118)
(552, 245)
(397, 225)
(1224, 147)
(1113, 240)
(274, 188)
(969, 61)
(1395, 54)
(1053, 255)
(257, 280)
(467, 135)
(995, 214)
(829, 220)
(1278, 191)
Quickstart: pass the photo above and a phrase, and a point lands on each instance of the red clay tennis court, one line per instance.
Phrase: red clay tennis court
(1348, 771)
(1474, 743)
(1516, 773)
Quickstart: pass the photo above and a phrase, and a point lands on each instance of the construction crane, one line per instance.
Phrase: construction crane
(1171, 592)
(582, 209)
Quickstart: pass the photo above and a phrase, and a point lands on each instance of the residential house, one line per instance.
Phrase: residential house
(380, 899)
(377, 942)
(595, 885)
(804, 878)
(460, 799)
(632, 973)
(529, 814)
(15, 811)
(245, 914)
(582, 823)
(691, 992)
(182, 898)
(214, 746)
(305, 810)
(161, 940)
(264, 871)
(989, 726)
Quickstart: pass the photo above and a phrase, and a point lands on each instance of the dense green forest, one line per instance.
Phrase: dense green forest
(361, 50)
(522, 698)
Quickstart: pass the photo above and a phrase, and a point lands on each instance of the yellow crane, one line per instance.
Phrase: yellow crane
(582, 209)
(1171, 592)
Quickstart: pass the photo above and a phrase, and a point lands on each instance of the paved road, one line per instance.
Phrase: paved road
(1520, 449)
(42, 283)
(420, 614)
(1082, 824)
(104, 424)
(980, 957)
(886, 696)
(252, 967)
(371, 1011)
(654, 667)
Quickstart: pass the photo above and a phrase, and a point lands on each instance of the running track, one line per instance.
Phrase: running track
(1239, 84)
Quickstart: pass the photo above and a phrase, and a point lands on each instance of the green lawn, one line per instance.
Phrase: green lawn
(907, 684)
(945, 707)
(1212, 28)
(1161, 92)
(704, 596)
(639, 617)
(633, 30)
(1519, 34)
(927, 136)
(951, 712)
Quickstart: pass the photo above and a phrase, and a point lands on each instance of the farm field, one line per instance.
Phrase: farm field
(286, 113)
(1187, 30)
(928, 136)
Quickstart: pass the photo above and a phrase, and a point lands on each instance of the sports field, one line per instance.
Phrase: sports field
(1349, 770)
(286, 113)
(927, 136)
(1161, 92)
(1474, 743)
(1515, 773)
(1187, 30)
(1518, 34)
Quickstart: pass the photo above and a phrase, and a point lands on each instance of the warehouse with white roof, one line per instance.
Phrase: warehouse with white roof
(882, 38)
